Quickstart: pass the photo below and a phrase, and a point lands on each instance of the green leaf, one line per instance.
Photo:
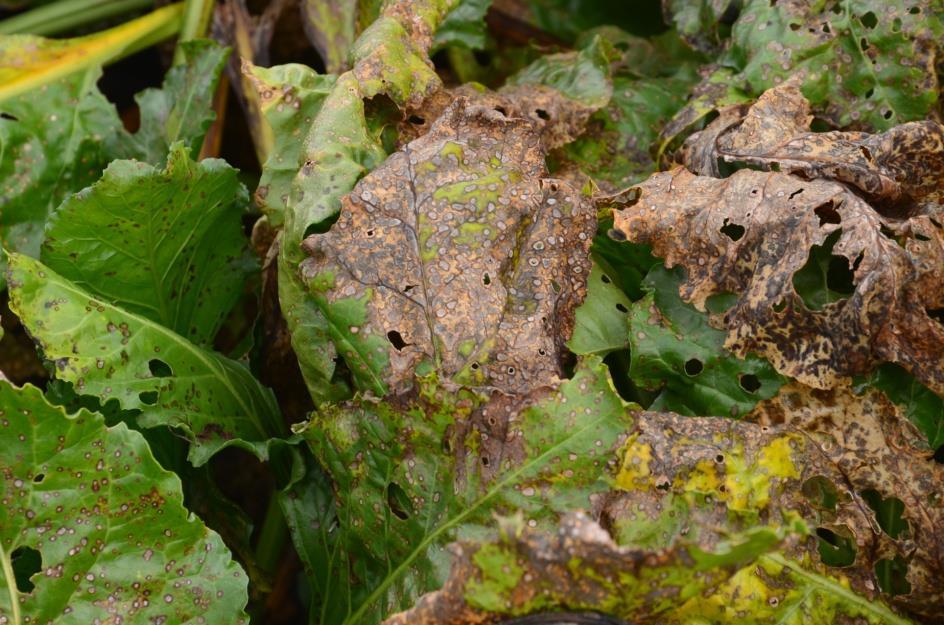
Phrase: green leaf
(674, 348)
(62, 145)
(920, 404)
(108, 522)
(583, 76)
(418, 472)
(109, 352)
(464, 26)
(867, 63)
(167, 245)
(182, 109)
(333, 25)
(601, 321)
(568, 19)
(290, 98)
(28, 62)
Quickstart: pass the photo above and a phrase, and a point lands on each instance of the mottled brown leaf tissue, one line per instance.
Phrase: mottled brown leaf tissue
(471, 258)
(750, 233)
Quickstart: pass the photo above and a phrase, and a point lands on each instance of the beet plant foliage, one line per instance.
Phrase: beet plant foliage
(456, 312)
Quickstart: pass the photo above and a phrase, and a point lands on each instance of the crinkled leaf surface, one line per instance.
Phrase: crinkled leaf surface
(674, 349)
(876, 450)
(108, 522)
(456, 253)
(415, 472)
(867, 63)
(166, 245)
(902, 168)
(705, 478)
(60, 141)
(750, 233)
(390, 58)
(290, 97)
(579, 568)
(109, 352)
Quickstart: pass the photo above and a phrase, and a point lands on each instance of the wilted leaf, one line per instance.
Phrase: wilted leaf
(880, 456)
(705, 478)
(28, 62)
(674, 350)
(456, 253)
(749, 234)
(414, 472)
(922, 406)
(290, 97)
(108, 523)
(902, 168)
(109, 352)
(62, 144)
(390, 58)
(167, 245)
(579, 568)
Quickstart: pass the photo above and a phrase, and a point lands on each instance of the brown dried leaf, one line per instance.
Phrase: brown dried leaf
(904, 165)
(750, 233)
(457, 252)
(580, 567)
(874, 447)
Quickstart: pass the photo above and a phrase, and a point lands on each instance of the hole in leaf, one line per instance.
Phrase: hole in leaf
(820, 492)
(732, 230)
(159, 368)
(795, 26)
(370, 232)
(621, 308)
(835, 549)
(718, 303)
(501, 109)
(475, 366)
(693, 366)
(796, 193)
(556, 286)
(825, 278)
(409, 288)
(605, 278)
(398, 501)
(26, 562)
(396, 340)
(542, 114)
(887, 114)
(719, 458)
(780, 306)
(12, 118)
(485, 461)
(939, 454)
(486, 279)
(148, 398)
(749, 382)
(868, 94)
(322, 226)
(887, 511)
(827, 214)
(869, 20)
(38, 478)
(416, 119)
(892, 576)
(914, 10)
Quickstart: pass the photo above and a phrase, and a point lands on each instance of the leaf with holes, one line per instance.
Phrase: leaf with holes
(752, 234)
(109, 352)
(457, 254)
(579, 568)
(415, 471)
(675, 350)
(104, 523)
(863, 63)
(600, 323)
(62, 145)
(166, 245)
